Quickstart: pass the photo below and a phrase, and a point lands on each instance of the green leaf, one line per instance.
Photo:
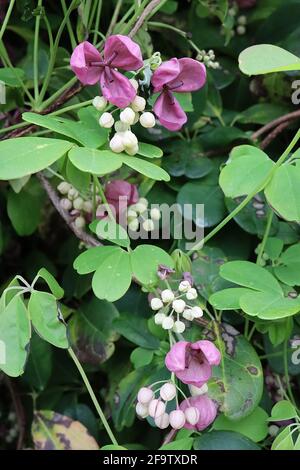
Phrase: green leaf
(98, 162)
(15, 333)
(237, 383)
(51, 282)
(283, 192)
(108, 229)
(91, 331)
(250, 275)
(145, 168)
(228, 299)
(205, 271)
(79, 179)
(266, 58)
(268, 305)
(44, 315)
(246, 170)
(149, 151)
(25, 155)
(11, 76)
(189, 161)
(283, 410)
(141, 357)
(284, 440)
(135, 329)
(146, 273)
(253, 426)
(261, 113)
(25, 208)
(113, 276)
(39, 365)
(113, 447)
(90, 260)
(288, 268)
(53, 431)
(180, 444)
(224, 440)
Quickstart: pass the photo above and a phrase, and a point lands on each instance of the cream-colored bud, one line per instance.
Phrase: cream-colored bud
(106, 120)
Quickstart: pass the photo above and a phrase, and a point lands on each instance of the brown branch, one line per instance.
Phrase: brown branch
(18, 409)
(86, 238)
(287, 117)
(270, 137)
(149, 8)
(170, 437)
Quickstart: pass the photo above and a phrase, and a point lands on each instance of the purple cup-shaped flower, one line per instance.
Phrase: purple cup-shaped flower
(90, 67)
(121, 194)
(192, 362)
(179, 75)
(207, 411)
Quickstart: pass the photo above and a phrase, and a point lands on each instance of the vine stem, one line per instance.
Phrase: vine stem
(286, 372)
(93, 397)
(36, 52)
(6, 19)
(265, 237)
(232, 214)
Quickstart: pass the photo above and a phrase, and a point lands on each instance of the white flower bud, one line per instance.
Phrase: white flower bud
(178, 305)
(134, 225)
(167, 323)
(78, 203)
(127, 116)
(155, 213)
(273, 430)
(132, 150)
(192, 415)
(138, 104)
(64, 187)
(145, 395)
(191, 294)
(241, 30)
(87, 206)
(141, 410)
(156, 303)
(162, 422)
(197, 391)
(188, 314)
(66, 204)
(73, 194)
(242, 20)
(177, 419)
(136, 118)
(143, 200)
(167, 295)
(106, 120)
(147, 120)
(116, 144)
(131, 214)
(121, 126)
(99, 102)
(184, 286)
(156, 408)
(134, 83)
(179, 327)
(79, 222)
(129, 139)
(159, 318)
(197, 312)
(140, 207)
(168, 392)
(148, 225)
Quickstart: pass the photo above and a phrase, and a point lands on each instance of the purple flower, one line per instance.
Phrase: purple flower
(121, 194)
(119, 52)
(188, 277)
(164, 272)
(207, 411)
(246, 3)
(179, 75)
(191, 362)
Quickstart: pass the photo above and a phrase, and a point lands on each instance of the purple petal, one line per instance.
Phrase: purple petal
(117, 188)
(116, 88)
(192, 75)
(175, 359)
(207, 411)
(123, 52)
(169, 112)
(82, 55)
(211, 353)
(196, 373)
(165, 73)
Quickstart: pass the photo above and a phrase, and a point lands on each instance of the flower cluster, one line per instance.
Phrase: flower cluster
(140, 214)
(80, 208)
(208, 58)
(172, 304)
(121, 53)
(191, 363)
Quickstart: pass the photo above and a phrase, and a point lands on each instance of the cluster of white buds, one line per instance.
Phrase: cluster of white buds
(148, 405)
(75, 204)
(171, 304)
(140, 214)
(208, 58)
(124, 140)
(13, 431)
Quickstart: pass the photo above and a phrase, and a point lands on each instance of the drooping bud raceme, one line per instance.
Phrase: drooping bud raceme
(99, 102)
(168, 391)
(106, 120)
(167, 295)
(147, 120)
(156, 303)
